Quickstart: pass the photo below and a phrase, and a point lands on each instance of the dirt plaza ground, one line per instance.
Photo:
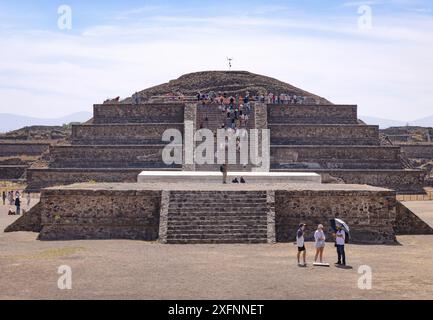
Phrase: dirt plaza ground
(141, 270)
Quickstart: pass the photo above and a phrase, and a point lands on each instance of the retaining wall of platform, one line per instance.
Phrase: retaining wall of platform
(103, 212)
(418, 151)
(407, 223)
(49, 177)
(402, 181)
(371, 215)
(12, 172)
(122, 133)
(114, 156)
(22, 149)
(324, 134)
(100, 214)
(338, 157)
(312, 114)
(138, 113)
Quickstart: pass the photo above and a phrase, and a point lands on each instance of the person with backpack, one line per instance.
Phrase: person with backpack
(340, 240)
(300, 242)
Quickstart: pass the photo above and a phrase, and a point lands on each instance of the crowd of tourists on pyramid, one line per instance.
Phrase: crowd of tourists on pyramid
(212, 97)
(270, 98)
(13, 199)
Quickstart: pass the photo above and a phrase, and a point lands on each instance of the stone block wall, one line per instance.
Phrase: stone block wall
(141, 113)
(100, 214)
(131, 211)
(371, 215)
(142, 156)
(407, 223)
(11, 172)
(402, 181)
(122, 133)
(418, 151)
(43, 178)
(324, 134)
(338, 157)
(312, 114)
(22, 149)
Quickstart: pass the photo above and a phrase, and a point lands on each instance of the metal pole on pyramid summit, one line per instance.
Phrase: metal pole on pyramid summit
(230, 62)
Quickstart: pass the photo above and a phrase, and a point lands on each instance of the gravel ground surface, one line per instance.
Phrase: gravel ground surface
(140, 270)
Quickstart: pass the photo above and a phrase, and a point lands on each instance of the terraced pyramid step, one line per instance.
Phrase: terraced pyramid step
(138, 113)
(108, 156)
(122, 134)
(336, 157)
(312, 114)
(321, 134)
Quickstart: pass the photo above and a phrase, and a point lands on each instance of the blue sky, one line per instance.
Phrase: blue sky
(118, 47)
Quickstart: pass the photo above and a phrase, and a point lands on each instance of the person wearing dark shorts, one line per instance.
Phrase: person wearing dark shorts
(300, 242)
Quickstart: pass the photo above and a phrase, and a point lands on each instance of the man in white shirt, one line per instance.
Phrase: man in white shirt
(340, 239)
(300, 242)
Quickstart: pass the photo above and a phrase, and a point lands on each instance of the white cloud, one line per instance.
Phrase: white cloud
(385, 71)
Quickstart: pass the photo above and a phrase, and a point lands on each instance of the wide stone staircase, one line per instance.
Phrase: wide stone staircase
(217, 217)
(212, 118)
(216, 118)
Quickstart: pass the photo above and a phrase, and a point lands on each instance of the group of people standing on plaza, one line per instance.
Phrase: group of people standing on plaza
(340, 236)
(13, 198)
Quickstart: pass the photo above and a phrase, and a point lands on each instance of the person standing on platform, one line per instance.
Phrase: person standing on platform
(11, 197)
(224, 170)
(300, 242)
(340, 240)
(319, 237)
(29, 198)
(18, 205)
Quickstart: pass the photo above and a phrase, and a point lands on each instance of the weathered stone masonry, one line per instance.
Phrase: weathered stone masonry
(371, 215)
(131, 211)
(141, 113)
(125, 134)
(100, 214)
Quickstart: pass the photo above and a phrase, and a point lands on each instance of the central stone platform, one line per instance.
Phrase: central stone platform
(216, 177)
(195, 213)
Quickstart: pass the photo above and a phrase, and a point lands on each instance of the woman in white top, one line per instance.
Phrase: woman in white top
(320, 238)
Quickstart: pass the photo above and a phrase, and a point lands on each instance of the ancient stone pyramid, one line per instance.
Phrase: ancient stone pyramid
(124, 138)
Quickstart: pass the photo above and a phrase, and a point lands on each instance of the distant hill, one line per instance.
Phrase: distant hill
(10, 122)
(46, 134)
(382, 123)
(424, 122)
(388, 123)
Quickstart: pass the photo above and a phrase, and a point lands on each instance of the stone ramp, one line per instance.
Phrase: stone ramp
(217, 217)
(415, 217)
